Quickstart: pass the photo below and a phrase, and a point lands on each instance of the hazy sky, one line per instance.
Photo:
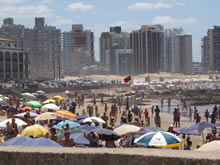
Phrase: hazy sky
(195, 16)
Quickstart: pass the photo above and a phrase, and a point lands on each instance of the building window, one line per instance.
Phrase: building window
(9, 45)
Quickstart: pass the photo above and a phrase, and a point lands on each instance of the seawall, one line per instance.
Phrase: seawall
(103, 156)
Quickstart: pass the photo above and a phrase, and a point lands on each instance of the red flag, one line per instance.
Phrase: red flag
(127, 79)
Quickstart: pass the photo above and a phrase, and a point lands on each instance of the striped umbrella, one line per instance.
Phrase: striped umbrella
(159, 139)
(66, 115)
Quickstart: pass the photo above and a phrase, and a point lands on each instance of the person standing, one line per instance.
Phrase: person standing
(152, 111)
(206, 115)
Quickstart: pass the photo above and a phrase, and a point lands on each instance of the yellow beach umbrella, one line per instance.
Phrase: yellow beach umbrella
(1, 95)
(35, 131)
(60, 98)
(49, 101)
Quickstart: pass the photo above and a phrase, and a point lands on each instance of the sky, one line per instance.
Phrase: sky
(194, 16)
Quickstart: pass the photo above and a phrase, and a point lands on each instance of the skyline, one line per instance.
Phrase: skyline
(130, 14)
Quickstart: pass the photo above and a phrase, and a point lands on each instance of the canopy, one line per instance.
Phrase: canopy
(26, 108)
(63, 123)
(66, 115)
(43, 142)
(60, 98)
(213, 146)
(50, 106)
(19, 122)
(186, 131)
(87, 127)
(93, 119)
(124, 129)
(107, 134)
(34, 130)
(159, 139)
(46, 116)
(49, 101)
(35, 104)
(16, 141)
(32, 114)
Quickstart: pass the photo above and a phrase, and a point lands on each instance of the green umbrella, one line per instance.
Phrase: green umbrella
(35, 104)
(60, 132)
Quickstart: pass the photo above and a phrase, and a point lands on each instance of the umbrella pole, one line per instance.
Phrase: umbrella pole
(203, 137)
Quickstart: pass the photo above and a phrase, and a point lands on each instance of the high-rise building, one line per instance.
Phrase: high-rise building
(169, 49)
(205, 54)
(115, 39)
(45, 58)
(77, 49)
(147, 46)
(123, 61)
(183, 51)
(42, 43)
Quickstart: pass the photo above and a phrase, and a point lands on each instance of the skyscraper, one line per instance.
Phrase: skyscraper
(42, 43)
(183, 51)
(205, 54)
(77, 49)
(115, 39)
(169, 49)
(147, 45)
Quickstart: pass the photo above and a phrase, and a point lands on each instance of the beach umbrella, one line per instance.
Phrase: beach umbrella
(159, 139)
(213, 146)
(60, 98)
(1, 100)
(16, 141)
(5, 98)
(201, 126)
(66, 115)
(34, 131)
(80, 139)
(50, 106)
(155, 129)
(87, 127)
(19, 122)
(26, 108)
(63, 123)
(35, 104)
(28, 95)
(80, 117)
(142, 131)
(107, 134)
(67, 92)
(42, 97)
(43, 142)
(49, 101)
(126, 128)
(93, 120)
(40, 92)
(61, 132)
(1, 96)
(186, 131)
(46, 116)
(32, 114)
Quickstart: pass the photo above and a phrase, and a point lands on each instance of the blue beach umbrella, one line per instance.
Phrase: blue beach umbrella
(159, 139)
(87, 127)
(43, 142)
(186, 131)
(63, 123)
(80, 139)
(16, 141)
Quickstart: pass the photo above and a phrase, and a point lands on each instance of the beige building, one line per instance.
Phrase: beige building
(183, 51)
(13, 61)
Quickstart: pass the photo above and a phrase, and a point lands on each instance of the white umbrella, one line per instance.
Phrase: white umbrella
(46, 116)
(40, 92)
(213, 146)
(1, 100)
(19, 122)
(32, 114)
(93, 120)
(5, 98)
(50, 106)
(126, 128)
